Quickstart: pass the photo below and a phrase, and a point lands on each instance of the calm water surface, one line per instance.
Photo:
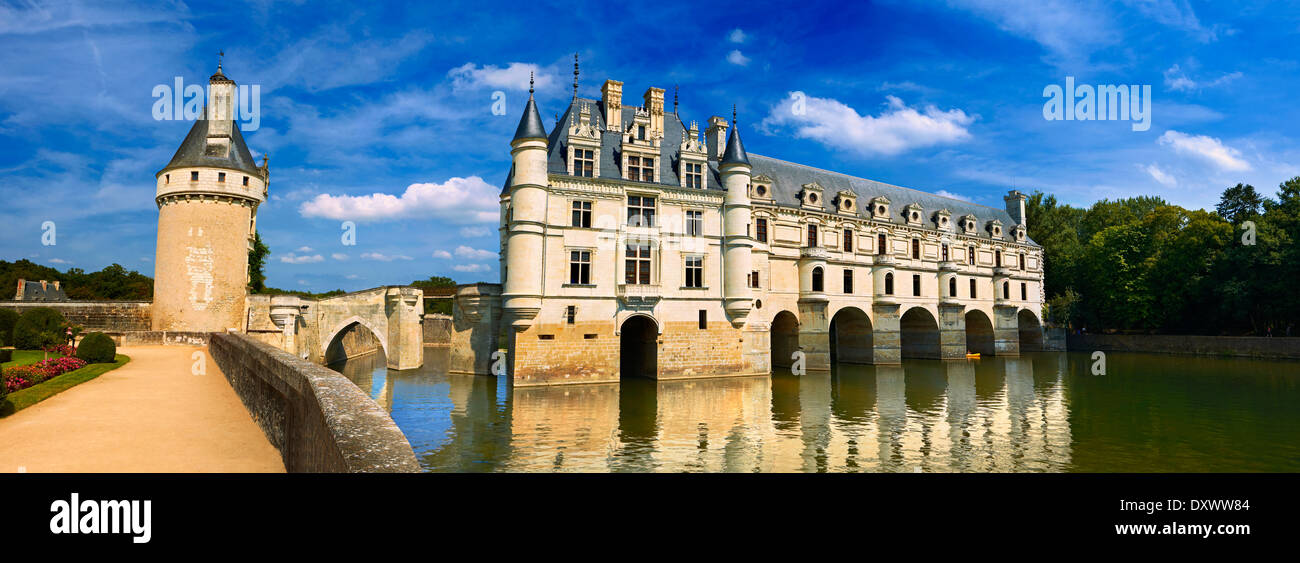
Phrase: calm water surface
(1039, 412)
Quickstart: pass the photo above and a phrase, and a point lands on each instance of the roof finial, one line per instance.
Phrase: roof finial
(575, 76)
(733, 115)
(674, 99)
(530, 84)
(220, 55)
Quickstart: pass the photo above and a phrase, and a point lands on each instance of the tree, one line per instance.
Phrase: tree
(1239, 203)
(430, 287)
(257, 265)
(1056, 228)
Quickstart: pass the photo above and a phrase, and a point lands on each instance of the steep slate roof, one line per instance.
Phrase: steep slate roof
(735, 152)
(788, 178)
(193, 151)
(530, 125)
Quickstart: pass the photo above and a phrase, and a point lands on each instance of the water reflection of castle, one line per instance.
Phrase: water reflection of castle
(987, 416)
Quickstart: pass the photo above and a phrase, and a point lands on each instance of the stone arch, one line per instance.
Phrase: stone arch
(919, 334)
(1031, 331)
(785, 338)
(639, 347)
(851, 337)
(625, 316)
(336, 346)
(979, 333)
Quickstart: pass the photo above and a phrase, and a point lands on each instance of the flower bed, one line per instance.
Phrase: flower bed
(22, 377)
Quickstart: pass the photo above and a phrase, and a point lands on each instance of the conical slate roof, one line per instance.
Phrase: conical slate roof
(194, 152)
(735, 153)
(530, 125)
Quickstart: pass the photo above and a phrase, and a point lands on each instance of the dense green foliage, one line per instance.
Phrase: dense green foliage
(442, 306)
(97, 348)
(8, 319)
(19, 400)
(38, 327)
(112, 283)
(257, 265)
(1142, 264)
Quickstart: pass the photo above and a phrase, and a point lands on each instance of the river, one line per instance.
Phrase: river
(1042, 412)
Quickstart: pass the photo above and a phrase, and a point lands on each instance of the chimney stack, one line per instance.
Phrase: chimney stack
(654, 103)
(611, 100)
(715, 137)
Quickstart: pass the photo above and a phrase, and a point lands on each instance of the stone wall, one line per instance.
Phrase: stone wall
(1243, 346)
(95, 316)
(320, 421)
(437, 330)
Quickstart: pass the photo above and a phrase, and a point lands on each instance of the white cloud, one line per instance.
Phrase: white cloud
(352, 277)
(60, 261)
(304, 249)
(292, 258)
(1159, 175)
(513, 77)
(737, 36)
(474, 253)
(471, 267)
(442, 254)
(1070, 31)
(379, 257)
(1176, 79)
(472, 232)
(735, 57)
(339, 256)
(897, 129)
(1178, 14)
(1209, 149)
(458, 200)
(946, 193)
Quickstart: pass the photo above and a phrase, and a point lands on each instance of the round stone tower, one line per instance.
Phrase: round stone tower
(735, 170)
(207, 200)
(523, 283)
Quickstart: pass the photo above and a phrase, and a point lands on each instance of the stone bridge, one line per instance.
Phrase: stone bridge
(383, 319)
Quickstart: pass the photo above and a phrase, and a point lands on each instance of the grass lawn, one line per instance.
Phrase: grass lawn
(24, 357)
(19, 400)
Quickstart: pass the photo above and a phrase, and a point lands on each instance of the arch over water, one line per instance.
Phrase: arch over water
(353, 337)
(785, 338)
(979, 333)
(850, 337)
(919, 334)
(1031, 331)
(639, 347)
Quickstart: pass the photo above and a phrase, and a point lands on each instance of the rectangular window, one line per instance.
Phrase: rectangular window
(812, 235)
(221, 176)
(694, 174)
(704, 319)
(848, 240)
(753, 279)
(761, 229)
(245, 180)
(640, 211)
(1022, 262)
(167, 178)
(584, 162)
(570, 314)
(972, 288)
(1024, 293)
(970, 255)
(916, 249)
(582, 214)
(637, 265)
(694, 271)
(694, 223)
(997, 258)
(916, 285)
(882, 244)
(580, 267)
(944, 252)
(194, 176)
(641, 168)
(848, 281)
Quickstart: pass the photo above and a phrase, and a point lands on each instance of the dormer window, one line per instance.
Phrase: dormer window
(880, 207)
(968, 224)
(694, 174)
(640, 132)
(912, 214)
(761, 190)
(761, 187)
(812, 198)
(584, 163)
(641, 168)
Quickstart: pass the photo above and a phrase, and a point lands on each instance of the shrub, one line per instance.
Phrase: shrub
(97, 348)
(6, 355)
(39, 327)
(7, 320)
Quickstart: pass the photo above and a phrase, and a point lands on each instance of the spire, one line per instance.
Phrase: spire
(530, 125)
(220, 76)
(575, 77)
(735, 152)
(674, 99)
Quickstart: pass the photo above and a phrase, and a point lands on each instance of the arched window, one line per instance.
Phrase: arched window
(972, 288)
(889, 284)
(817, 279)
(952, 287)
(1006, 290)
(881, 243)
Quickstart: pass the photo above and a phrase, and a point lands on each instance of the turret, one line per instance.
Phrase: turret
(207, 199)
(1016, 206)
(522, 296)
(735, 170)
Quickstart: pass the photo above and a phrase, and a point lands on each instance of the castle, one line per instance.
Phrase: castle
(633, 244)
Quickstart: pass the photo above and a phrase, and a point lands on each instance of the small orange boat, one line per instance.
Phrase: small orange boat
(975, 356)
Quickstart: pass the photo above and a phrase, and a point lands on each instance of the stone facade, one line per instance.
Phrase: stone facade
(627, 232)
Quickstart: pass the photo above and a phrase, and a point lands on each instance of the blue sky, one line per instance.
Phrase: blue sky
(382, 114)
